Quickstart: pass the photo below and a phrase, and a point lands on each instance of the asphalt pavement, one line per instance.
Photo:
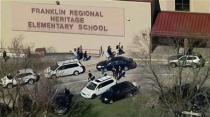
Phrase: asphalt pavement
(141, 75)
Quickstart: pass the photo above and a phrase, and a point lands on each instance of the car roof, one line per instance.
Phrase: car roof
(120, 57)
(102, 79)
(122, 85)
(70, 61)
(27, 70)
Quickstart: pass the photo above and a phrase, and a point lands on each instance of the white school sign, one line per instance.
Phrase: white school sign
(89, 20)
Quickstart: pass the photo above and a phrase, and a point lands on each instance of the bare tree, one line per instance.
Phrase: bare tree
(177, 91)
(31, 100)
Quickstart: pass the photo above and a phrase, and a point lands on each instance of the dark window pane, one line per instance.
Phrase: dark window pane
(178, 1)
(182, 5)
(186, 1)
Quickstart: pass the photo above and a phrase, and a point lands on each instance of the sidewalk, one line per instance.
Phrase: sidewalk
(159, 55)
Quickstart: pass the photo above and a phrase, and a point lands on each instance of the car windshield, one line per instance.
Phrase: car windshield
(54, 67)
(10, 76)
(91, 86)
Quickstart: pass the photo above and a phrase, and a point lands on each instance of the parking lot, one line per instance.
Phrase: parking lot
(141, 75)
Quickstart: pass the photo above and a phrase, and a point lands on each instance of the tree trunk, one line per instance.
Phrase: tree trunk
(186, 45)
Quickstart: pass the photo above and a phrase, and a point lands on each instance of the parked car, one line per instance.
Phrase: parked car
(119, 91)
(194, 61)
(64, 68)
(123, 62)
(97, 87)
(21, 77)
(62, 101)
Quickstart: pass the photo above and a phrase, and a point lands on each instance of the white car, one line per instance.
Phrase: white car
(22, 76)
(98, 86)
(194, 61)
(64, 68)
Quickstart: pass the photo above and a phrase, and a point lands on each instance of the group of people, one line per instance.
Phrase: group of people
(119, 51)
(117, 72)
(78, 53)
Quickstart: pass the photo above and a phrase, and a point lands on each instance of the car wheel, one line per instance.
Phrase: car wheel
(126, 68)
(31, 81)
(93, 96)
(53, 76)
(111, 101)
(9, 85)
(194, 66)
(173, 65)
(76, 73)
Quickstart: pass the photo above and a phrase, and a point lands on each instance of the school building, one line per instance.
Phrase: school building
(100, 23)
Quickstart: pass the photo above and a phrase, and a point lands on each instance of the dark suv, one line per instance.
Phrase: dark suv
(119, 91)
(123, 62)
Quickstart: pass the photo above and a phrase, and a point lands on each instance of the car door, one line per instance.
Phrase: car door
(190, 60)
(118, 94)
(27, 76)
(123, 64)
(20, 77)
(109, 65)
(68, 69)
(60, 71)
(183, 61)
(71, 68)
(116, 64)
(104, 87)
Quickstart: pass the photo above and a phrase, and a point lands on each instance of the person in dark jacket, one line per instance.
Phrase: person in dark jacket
(91, 77)
(5, 55)
(85, 56)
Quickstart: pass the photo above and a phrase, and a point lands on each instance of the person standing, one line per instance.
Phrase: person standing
(114, 73)
(5, 55)
(120, 73)
(75, 53)
(109, 51)
(29, 52)
(121, 51)
(91, 77)
(85, 56)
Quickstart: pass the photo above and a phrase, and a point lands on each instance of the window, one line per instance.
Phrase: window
(191, 58)
(68, 66)
(54, 67)
(91, 86)
(71, 66)
(23, 75)
(182, 5)
(61, 68)
(184, 58)
(105, 83)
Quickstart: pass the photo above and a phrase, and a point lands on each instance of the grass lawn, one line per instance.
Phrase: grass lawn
(129, 107)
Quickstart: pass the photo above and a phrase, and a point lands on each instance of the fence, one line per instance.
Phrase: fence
(11, 53)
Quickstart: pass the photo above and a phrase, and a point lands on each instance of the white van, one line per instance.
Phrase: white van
(98, 86)
(64, 68)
